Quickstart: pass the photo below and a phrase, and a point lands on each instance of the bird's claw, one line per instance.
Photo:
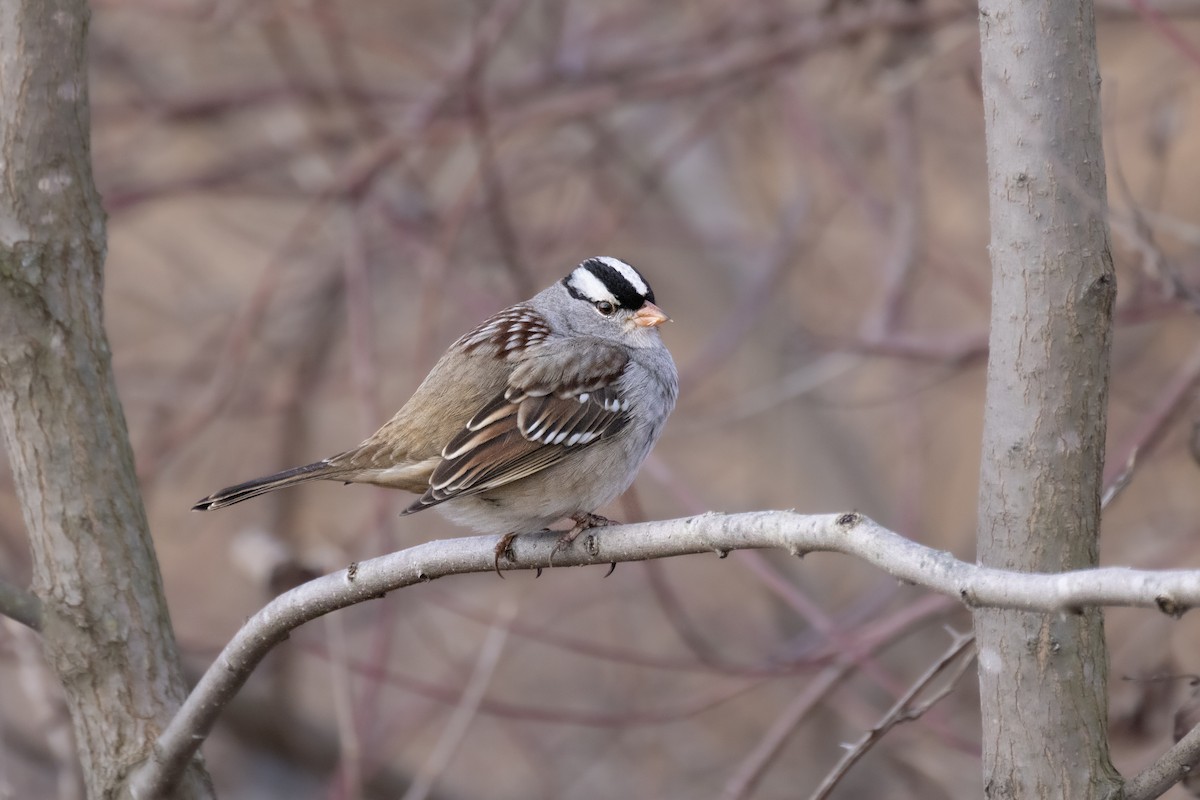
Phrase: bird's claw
(583, 522)
(504, 550)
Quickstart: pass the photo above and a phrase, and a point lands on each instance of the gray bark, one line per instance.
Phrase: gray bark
(1043, 677)
(105, 627)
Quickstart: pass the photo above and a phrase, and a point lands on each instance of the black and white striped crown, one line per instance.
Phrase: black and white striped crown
(611, 279)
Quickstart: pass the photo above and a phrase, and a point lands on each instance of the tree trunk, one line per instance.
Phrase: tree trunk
(105, 625)
(1043, 678)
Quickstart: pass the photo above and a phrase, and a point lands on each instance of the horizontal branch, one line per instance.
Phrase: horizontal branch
(853, 534)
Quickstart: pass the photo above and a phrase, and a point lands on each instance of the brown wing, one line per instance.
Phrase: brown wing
(555, 403)
(406, 449)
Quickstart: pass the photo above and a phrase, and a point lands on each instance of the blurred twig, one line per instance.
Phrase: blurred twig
(1154, 422)
(780, 256)
(907, 216)
(748, 773)
(1154, 262)
(864, 638)
(605, 719)
(495, 24)
(1155, 17)
(904, 710)
(468, 706)
(349, 776)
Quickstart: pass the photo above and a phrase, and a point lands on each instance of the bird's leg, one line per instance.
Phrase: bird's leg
(504, 550)
(583, 522)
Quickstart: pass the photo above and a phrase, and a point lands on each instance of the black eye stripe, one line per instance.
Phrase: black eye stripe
(620, 288)
(627, 296)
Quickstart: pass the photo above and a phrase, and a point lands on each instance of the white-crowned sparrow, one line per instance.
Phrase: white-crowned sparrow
(543, 412)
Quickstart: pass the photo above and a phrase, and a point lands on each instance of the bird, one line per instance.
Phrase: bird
(543, 412)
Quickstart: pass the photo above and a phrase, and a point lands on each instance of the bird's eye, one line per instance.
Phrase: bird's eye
(606, 308)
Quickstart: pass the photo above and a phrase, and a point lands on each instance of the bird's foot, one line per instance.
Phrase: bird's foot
(583, 522)
(504, 550)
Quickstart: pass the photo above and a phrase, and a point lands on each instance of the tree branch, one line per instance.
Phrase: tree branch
(18, 604)
(1170, 768)
(852, 534)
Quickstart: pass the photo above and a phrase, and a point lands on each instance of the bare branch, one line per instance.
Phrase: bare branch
(853, 534)
(20, 605)
(1170, 768)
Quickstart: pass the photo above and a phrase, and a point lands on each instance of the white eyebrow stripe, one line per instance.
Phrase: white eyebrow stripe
(591, 287)
(629, 273)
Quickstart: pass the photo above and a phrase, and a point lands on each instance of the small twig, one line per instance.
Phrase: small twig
(748, 773)
(1153, 425)
(779, 256)
(1157, 21)
(676, 612)
(495, 192)
(361, 714)
(791, 661)
(1122, 479)
(360, 322)
(349, 775)
(903, 711)
(1154, 262)
(606, 719)
(20, 605)
(907, 216)
(468, 707)
(841, 641)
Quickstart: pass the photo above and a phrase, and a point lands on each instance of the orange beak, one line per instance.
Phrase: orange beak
(649, 316)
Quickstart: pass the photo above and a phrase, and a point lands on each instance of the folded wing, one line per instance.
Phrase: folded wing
(554, 404)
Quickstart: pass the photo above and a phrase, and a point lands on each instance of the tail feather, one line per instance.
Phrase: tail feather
(268, 483)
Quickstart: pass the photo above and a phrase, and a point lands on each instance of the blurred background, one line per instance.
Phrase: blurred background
(309, 200)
